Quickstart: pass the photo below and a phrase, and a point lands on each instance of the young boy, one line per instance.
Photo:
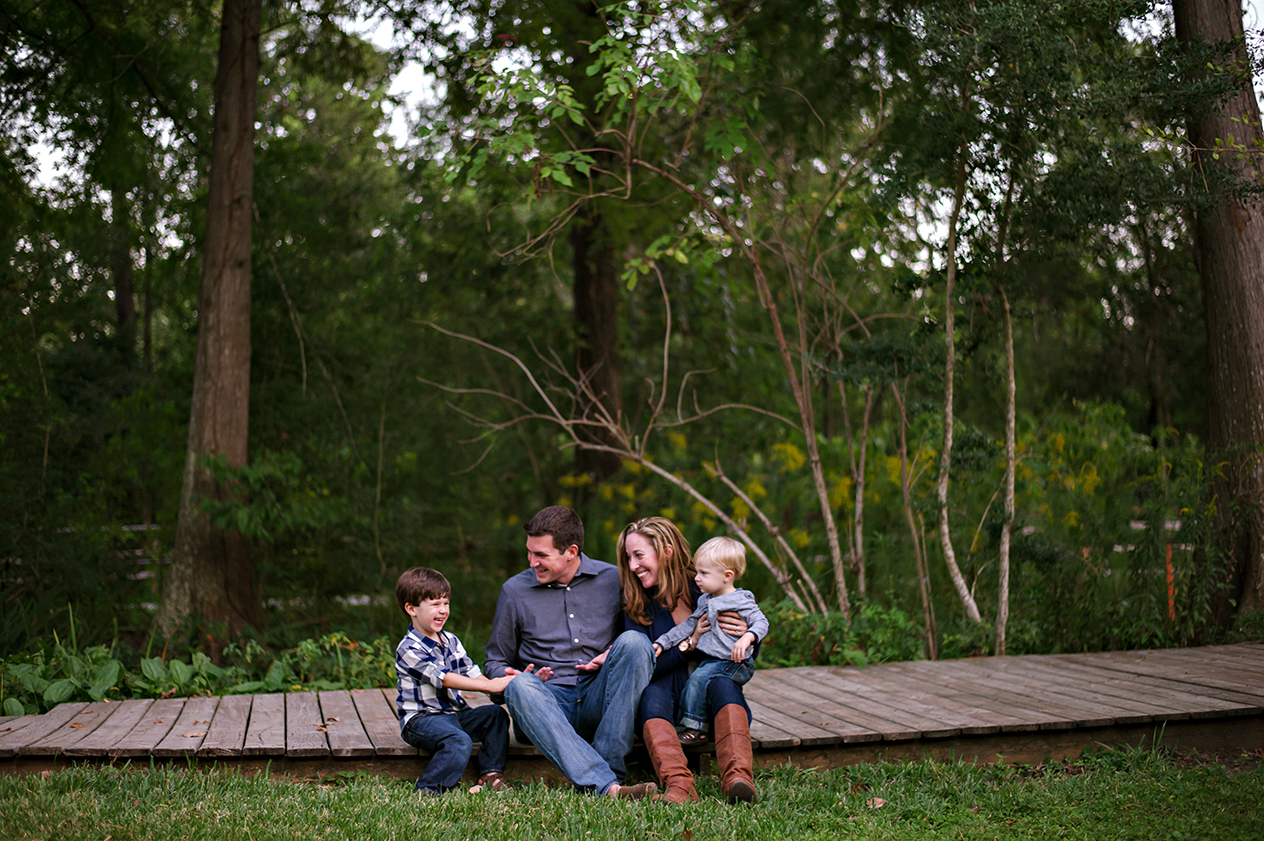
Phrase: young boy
(718, 562)
(433, 667)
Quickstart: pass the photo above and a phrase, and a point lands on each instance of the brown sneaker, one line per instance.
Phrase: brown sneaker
(494, 780)
(641, 791)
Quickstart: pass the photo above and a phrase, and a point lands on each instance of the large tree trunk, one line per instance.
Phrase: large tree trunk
(1229, 237)
(596, 290)
(212, 577)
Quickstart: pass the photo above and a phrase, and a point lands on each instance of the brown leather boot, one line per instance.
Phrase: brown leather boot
(733, 750)
(669, 761)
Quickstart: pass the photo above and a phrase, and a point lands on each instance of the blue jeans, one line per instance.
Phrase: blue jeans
(693, 703)
(561, 721)
(449, 738)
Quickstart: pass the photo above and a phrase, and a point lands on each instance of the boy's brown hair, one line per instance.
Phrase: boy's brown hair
(560, 523)
(725, 552)
(420, 583)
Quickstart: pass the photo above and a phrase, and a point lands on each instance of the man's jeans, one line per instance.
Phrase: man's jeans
(561, 720)
(449, 738)
(693, 702)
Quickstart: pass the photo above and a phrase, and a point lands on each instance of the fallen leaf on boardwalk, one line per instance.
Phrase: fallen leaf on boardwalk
(192, 735)
(875, 803)
(77, 724)
(159, 721)
(331, 718)
(322, 728)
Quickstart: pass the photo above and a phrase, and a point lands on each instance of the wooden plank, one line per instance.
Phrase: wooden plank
(152, 728)
(227, 733)
(83, 723)
(347, 736)
(971, 718)
(790, 698)
(38, 727)
(304, 729)
(114, 728)
(5, 719)
(1125, 710)
(1169, 706)
(381, 725)
(933, 720)
(265, 734)
(770, 709)
(1183, 673)
(1222, 658)
(1040, 694)
(1236, 702)
(1045, 714)
(902, 724)
(190, 729)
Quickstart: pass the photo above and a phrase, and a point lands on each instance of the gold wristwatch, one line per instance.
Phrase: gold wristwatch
(686, 645)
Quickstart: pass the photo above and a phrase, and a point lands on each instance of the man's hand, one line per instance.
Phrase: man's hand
(594, 664)
(544, 673)
(732, 623)
(739, 647)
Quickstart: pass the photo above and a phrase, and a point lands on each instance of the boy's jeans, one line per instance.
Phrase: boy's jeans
(449, 738)
(602, 707)
(693, 703)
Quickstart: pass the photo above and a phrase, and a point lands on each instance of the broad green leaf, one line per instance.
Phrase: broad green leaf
(154, 670)
(275, 678)
(59, 690)
(12, 706)
(180, 672)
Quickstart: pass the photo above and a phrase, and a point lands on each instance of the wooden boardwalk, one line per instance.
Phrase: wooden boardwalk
(1016, 709)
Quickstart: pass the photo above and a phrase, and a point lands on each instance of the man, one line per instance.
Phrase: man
(563, 612)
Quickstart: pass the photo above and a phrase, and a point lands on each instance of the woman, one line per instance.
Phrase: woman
(657, 575)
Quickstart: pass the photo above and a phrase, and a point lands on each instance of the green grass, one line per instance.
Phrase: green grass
(1117, 795)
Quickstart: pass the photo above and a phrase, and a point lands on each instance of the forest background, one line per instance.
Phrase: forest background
(919, 299)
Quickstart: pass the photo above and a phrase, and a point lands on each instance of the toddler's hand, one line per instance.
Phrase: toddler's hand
(658, 650)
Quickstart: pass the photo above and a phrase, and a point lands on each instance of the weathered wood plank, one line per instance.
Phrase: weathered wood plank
(770, 709)
(227, 732)
(377, 714)
(37, 728)
(1002, 697)
(1123, 710)
(1168, 706)
(1041, 695)
(1012, 712)
(1190, 673)
(1232, 657)
(962, 701)
(347, 736)
(152, 728)
(190, 729)
(1236, 703)
(932, 721)
(853, 695)
(304, 728)
(82, 724)
(918, 696)
(113, 729)
(265, 734)
(790, 697)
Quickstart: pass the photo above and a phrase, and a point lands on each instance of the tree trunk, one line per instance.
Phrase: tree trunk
(596, 292)
(950, 359)
(212, 576)
(931, 631)
(1007, 527)
(1229, 239)
(123, 270)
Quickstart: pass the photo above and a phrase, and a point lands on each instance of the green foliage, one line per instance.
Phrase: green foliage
(39, 681)
(876, 634)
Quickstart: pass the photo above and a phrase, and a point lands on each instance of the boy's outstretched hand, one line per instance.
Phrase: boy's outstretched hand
(740, 647)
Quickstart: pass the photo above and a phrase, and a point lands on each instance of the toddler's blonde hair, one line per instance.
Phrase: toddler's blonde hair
(724, 551)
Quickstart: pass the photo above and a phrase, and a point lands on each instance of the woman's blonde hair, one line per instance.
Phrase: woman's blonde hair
(675, 568)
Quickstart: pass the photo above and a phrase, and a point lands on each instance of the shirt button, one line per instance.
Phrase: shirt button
(576, 640)
(572, 616)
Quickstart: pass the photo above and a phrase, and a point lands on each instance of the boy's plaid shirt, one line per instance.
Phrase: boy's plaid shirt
(420, 664)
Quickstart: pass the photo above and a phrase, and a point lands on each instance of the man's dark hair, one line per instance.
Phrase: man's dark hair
(560, 523)
(421, 583)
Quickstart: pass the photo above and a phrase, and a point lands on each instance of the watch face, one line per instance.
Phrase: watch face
(685, 646)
